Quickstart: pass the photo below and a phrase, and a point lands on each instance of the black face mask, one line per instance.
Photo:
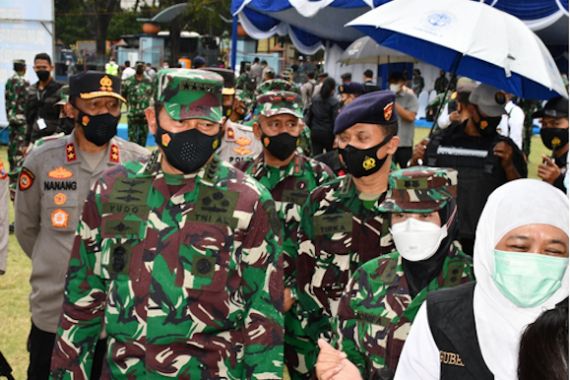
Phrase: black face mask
(554, 138)
(43, 75)
(280, 146)
(363, 162)
(487, 126)
(98, 129)
(187, 151)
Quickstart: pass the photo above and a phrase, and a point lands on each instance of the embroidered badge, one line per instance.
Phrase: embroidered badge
(60, 199)
(59, 218)
(388, 109)
(106, 84)
(60, 173)
(26, 179)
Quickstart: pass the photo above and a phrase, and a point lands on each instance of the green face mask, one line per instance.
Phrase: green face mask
(528, 279)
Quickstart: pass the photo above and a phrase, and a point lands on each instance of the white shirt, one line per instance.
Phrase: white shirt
(512, 123)
(420, 356)
(127, 73)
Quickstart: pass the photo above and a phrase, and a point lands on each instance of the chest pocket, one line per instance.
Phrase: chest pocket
(330, 224)
(207, 241)
(62, 209)
(123, 227)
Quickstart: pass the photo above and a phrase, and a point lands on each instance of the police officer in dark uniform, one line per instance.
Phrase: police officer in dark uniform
(484, 159)
(554, 135)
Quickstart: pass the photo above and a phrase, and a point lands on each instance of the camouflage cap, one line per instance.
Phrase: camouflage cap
(190, 94)
(63, 94)
(277, 85)
(419, 189)
(245, 96)
(279, 102)
(19, 61)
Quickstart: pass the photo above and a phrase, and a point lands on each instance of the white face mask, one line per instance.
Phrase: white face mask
(417, 241)
(395, 88)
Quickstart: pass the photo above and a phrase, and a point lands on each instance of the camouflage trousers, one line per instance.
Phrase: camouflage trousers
(138, 129)
(16, 145)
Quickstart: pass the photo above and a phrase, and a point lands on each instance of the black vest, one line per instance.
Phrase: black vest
(452, 324)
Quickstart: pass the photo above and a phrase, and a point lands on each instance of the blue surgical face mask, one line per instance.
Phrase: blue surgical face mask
(528, 279)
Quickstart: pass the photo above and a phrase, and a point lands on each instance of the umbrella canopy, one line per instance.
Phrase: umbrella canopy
(468, 38)
(366, 51)
(313, 24)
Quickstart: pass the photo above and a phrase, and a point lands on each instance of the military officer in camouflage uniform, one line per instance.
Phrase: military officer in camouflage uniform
(181, 254)
(138, 90)
(52, 187)
(290, 177)
(4, 218)
(384, 295)
(341, 228)
(15, 100)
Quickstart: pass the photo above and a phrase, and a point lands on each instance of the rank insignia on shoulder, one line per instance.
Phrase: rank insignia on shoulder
(26, 179)
(60, 173)
(114, 155)
(59, 218)
(70, 154)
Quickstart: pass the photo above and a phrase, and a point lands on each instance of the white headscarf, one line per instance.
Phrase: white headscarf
(499, 322)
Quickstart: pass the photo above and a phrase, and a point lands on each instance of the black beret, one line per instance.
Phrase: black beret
(94, 84)
(376, 107)
(351, 88)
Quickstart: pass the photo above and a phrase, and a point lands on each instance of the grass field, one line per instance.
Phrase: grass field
(15, 287)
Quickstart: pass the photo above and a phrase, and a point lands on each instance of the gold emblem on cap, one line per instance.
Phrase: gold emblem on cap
(369, 163)
(388, 109)
(106, 84)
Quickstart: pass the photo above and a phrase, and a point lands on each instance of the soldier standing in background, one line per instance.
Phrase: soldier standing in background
(53, 185)
(15, 102)
(290, 176)
(138, 90)
(181, 253)
(4, 219)
(340, 228)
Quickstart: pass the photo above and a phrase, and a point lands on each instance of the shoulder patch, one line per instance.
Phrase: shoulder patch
(26, 179)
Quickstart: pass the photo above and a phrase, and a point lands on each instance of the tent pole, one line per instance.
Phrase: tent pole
(234, 43)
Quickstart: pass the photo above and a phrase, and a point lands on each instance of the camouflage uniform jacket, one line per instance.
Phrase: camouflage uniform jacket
(183, 272)
(138, 94)
(15, 99)
(337, 235)
(376, 311)
(290, 187)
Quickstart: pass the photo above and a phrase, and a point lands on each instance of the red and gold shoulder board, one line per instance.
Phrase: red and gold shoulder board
(114, 154)
(70, 153)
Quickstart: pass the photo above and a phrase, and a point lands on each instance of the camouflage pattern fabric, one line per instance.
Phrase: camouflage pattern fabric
(290, 186)
(15, 100)
(138, 94)
(337, 234)
(190, 94)
(278, 85)
(279, 102)
(185, 272)
(419, 189)
(376, 311)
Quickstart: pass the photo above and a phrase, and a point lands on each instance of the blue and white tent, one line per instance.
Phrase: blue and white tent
(314, 24)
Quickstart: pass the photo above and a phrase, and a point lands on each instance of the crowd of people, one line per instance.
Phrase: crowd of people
(284, 229)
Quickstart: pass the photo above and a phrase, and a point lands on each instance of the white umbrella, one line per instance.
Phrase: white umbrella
(468, 38)
(367, 51)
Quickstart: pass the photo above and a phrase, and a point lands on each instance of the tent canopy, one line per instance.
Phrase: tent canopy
(313, 24)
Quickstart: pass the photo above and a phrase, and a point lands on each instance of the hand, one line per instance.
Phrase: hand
(548, 171)
(288, 300)
(329, 362)
(419, 151)
(455, 117)
(505, 153)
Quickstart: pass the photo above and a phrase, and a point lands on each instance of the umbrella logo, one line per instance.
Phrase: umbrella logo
(439, 19)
